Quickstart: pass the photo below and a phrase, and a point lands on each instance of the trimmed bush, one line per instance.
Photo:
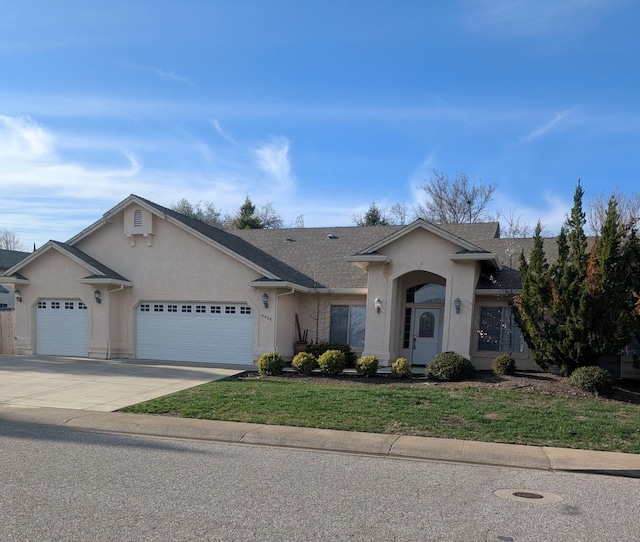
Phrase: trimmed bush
(332, 362)
(270, 364)
(319, 348)
(304, 363)
(401, 368)
(593, 378)
(367, 366)
(449, 367)
(504, 365)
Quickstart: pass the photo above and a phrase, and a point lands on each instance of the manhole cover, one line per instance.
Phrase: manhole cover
(527, 495)
(523, 495)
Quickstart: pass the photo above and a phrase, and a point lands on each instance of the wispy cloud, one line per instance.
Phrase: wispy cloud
(222, 132)
(273, 160)
(548, 127)
(162, 74)
(536, 18)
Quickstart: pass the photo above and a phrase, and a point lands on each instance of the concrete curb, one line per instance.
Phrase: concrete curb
(401, 447)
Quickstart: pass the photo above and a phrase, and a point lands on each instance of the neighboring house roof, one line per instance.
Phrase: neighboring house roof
(9, 258)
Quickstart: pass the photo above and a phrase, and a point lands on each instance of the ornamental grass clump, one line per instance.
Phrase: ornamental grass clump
(270, 364)
(449, 367)
(401, 368)
(592, 378)
(332, 362)
(367, 366)
(304, 363)
(504, 365)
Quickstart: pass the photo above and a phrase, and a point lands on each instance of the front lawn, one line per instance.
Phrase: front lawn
(458, 411)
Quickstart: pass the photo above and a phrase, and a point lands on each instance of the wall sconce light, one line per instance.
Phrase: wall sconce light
(377, 303)
(265, 300)
(18, 294)
(98, 296)
(457, 303)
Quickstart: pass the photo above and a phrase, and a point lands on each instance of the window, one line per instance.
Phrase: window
(427, 325)
(201, 309)
(68, 304)
(42, 304)
(426, 293)
(229, 310)
(348, 324)
(158, 308)
(497, 331)
(82, 306)
(144, 307)
(172, 308)
(186, 308)
(55, 304)
(245, 310)
(215, 309)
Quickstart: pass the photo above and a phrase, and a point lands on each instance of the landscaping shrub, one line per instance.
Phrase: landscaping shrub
(304, 363)
(401, 368)
(270, 364)
(504, 365)
(332, 362)
(319, 348)
(367, 366)
(449, 367)
(592, 378)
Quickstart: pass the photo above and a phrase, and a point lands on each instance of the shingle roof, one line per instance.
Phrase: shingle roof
(9, 258)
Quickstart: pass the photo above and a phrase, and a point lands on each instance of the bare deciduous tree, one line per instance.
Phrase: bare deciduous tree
(455, 201)
(628, 211)
(10, 241)
(204, 211)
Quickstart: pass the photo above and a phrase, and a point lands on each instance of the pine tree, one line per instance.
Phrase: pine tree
(582, 306)
(247, 218)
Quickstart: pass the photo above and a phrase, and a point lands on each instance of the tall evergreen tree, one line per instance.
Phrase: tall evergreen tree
(247, 218)
(582, 306)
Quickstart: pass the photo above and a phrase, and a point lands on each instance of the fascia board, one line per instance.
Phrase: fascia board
(368, 258)
(12, 281)
(107, 281)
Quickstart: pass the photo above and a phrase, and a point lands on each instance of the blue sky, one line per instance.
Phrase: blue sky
(319, 107)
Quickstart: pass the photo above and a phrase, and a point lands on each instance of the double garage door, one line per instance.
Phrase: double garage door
(189, 331)
(207, 332)
(62, 327)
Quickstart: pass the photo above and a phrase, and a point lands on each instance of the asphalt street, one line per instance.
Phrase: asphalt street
(60, 484)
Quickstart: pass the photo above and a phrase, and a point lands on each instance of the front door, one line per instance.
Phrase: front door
(427, 335)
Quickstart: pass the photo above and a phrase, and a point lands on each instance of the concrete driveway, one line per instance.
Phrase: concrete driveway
(102, 385)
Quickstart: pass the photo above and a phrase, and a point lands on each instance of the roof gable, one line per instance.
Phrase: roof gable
(96, 269)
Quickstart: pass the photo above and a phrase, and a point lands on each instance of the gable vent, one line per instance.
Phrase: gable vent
(137, 219)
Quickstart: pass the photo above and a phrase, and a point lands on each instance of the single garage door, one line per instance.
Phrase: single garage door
(62, 327)
(184, 331)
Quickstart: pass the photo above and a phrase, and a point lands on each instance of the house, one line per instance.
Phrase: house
(147, 282)
(9, 258)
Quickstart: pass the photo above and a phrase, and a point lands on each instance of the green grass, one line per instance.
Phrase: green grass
(461, 412)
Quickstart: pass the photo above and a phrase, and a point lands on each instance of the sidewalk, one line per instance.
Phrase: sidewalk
(394, 446)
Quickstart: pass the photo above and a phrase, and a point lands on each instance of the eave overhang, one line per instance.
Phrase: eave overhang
(106, 281)
(281, 284)
(490, 257)
(14, 280)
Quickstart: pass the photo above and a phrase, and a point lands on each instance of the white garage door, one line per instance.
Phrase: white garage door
(61, 327)
(208, 332)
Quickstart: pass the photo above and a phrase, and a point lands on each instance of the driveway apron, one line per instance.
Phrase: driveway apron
(100, 385)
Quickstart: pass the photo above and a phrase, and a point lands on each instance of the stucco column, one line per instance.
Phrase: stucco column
(379, 322)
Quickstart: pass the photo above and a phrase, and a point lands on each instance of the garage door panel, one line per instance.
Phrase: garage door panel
(206, 332)
(62, 327)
